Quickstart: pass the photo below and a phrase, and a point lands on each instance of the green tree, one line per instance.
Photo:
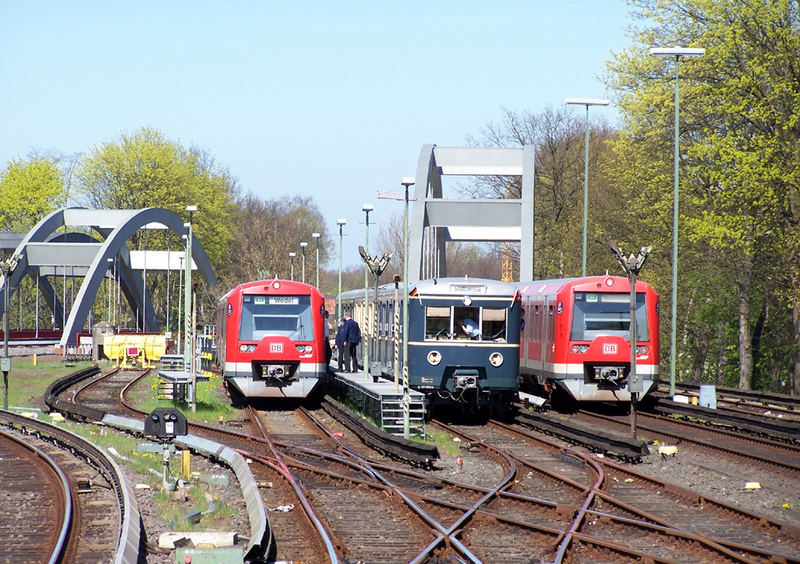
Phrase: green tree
(147, 170)
(740, 112)
(29, 190)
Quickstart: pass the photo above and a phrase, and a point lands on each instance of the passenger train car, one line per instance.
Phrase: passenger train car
(463, 339)
(270, 340)
(576, 336)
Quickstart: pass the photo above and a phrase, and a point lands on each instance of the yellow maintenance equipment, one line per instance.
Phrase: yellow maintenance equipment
(135, 351)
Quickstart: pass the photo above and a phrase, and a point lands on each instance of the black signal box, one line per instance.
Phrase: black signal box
(165, 423)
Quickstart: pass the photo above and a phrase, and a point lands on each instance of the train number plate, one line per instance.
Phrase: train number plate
(610, 348)
(276, 347)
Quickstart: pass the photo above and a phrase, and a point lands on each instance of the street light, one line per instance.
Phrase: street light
(292, 254)
(316, 237)
(188, 351)
(585, 102)
(303, 245)
(676, 52)
(341, 222)
(632, 265)
(406, 181)
(110, 262)
(366, 208)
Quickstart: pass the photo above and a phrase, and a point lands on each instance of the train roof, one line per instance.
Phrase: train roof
(464, 287)
(283, 285)
(604, 282)
(461, 286)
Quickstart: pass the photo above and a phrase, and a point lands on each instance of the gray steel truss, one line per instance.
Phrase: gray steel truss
(435, 220)
(43, 249)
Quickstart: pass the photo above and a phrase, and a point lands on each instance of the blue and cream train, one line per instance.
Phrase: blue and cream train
(479, 370)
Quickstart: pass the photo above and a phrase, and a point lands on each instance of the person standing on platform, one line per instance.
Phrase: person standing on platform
(340, 347)
(352, 338)
(327, 334)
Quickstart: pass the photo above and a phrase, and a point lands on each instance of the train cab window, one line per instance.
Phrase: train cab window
(597, 314)
(288, 316)
(466, 323)
(437, 323)
(493, 324)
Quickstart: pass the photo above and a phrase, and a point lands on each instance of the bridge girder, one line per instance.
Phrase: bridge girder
(499, 220)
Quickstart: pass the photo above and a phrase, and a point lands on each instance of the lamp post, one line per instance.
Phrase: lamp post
(341, 222)
(632, 265)
(188, 350)
(316, 237)
(180, 305)
(292, 254)
(5, 363)
(366, 208)
(303, 245)
(676, 52)
(585, 102)
(406, 181)
(110, 262)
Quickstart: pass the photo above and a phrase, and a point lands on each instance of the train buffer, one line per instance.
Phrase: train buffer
(382, 401)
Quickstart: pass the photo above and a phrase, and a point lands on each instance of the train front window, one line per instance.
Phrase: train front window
(598, 314)
(288, 316)
(493, 324)
(465, 323)
(437, 322)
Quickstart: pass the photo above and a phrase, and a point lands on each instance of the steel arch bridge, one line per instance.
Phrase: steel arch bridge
(45, 246)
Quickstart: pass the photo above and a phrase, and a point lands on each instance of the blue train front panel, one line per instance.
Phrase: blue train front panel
(464, 341)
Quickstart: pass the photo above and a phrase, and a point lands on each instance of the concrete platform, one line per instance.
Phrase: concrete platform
(381, 400)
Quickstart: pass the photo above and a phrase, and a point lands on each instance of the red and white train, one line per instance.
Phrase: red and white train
(576, 336)
(270, 340)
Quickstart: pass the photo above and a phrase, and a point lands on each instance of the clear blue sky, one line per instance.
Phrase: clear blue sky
(327, 99)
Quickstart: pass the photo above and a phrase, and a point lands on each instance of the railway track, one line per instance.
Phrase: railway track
(83, 511)
(610, 501)
(744, 449)
(516, 497)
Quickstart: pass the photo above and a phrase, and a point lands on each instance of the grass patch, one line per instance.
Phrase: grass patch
(28, 382)
(212, 403)
(149, 466)
(444, 442)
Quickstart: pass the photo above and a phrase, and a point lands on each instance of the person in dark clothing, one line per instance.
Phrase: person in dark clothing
(340, 335)
(327, 334)
(352, 338)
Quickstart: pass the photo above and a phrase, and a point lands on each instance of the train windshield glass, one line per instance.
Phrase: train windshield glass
(463, 323)
(598, 314)
(288, 316)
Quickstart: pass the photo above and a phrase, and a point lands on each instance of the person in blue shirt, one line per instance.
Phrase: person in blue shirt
(469, 327)
(352, 338)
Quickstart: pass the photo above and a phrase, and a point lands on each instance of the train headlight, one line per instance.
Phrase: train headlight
(308, 348)
(496, 359)
(276, 285)
(434, 358)
(642, 349)
(242, 348)
(579, 349)
(466, 300)
(247, 348)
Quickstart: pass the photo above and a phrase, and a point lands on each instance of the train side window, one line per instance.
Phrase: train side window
(493, 326)
(437, 323)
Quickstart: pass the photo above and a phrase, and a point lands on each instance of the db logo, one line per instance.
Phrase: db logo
(276, 347)
(609, 348)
